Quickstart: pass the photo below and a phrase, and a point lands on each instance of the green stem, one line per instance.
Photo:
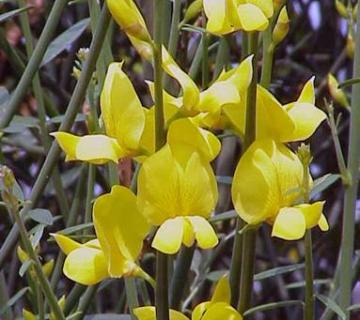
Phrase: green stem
(34, 62)
(347, 240)
(249, 238)
(205, 61)
(43, 281)
(222, 57)
(183, 263)
(268, 58)
(309, 278)
(71, 111)
(40, 302)
(174, 29)
(89, 192)
(161, 291)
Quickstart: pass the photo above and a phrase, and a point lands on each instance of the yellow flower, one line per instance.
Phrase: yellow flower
(217, 308)
(123, 118)
(225, 16)
(127, 16)
(120, 230)
(206, 107)
(266, 186)
(177, 191)
(292, 122)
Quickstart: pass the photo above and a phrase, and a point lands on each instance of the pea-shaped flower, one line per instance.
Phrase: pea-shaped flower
(217, 308)
(267, 187)
(225, 16)
(177, 191)
(120, 230)
(124, 120)
(295, 121)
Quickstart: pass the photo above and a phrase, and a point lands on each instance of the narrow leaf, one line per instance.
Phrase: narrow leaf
(277, 271)
(13, 300)
(42, 216)
(12, 13)
(223, 216)
(77, 228)
(64, 40)
(24, 267)
(324, 182)
(274, 305)
(331, 304)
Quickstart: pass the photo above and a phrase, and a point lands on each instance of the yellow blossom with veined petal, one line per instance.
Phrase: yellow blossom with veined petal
(225, 16)
(120, 230)
(266, 185)
(123, 118)
(292, 122)
(217, 308)
(177, 191)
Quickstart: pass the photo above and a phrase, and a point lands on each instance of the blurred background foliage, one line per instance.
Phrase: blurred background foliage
(318, 43)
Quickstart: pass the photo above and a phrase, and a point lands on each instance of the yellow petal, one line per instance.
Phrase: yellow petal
(27, 315)
(66, 244)
(48, 267)
(168, 237)
(86, 266)
(323, 224)
(221, 310)
(252, 18)
(173, 183)
(289, 224)
(186, 133)
(120, 228)
(266, 6)
(67, 143)
(200, 310)
(204, 232)
(312, 213)
(222, 290)
(149, 313)
(267, 107)
(190, 90)
(216, 12)
(121, 108)
(308, 92)
(306, 118)
(255, 188)
(188, 233)
(127, 15)
(98, 149)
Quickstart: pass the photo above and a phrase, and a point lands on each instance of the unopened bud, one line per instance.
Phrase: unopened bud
(304, 155)
(82, 54)
(281, 28)
(350, 46)
(27, 315)
(48, 267)
(193, 10)
(76, 73)
(336, 93)
(341, 9)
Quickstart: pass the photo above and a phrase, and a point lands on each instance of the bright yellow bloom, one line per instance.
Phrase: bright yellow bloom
(266, 186)
(124, 120)
(207, 106)
(128, 17)
(177, 191)
(217, 308)
(292, 122)
(225, 16)
(120, 229)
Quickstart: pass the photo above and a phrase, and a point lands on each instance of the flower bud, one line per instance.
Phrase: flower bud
(341, 9)
(278, 3)
(304, 155)
(27, 315)
(350, 46)
(193, 10)
(48, 267)
(127, 15)
(281, 28)
(336, 93)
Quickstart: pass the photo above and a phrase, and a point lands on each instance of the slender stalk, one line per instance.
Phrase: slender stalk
(222, 57)
(174, 29)
(34, 62)
(183, 263)
(43, 281)
(40, 302)
(268, 58)
(161, 291)
(249, 238)
(71, 111)
(347, 240)
(309, 278)
(89, 192)
(205, 61)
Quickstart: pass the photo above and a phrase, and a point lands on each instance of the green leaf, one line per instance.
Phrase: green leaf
(24, 267)
(77, 228)
(35, 239)
(277, 271)
(354, 307)
(274, 305)
(67, 179)
(64, 40)
(58, 119)
(324, 182)
(19, 123)
(223, 216)
(12, 13)
(331, 304)
(216, 275)
(301, 284)
(13, 300)
(42, 216)
(349, 82)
